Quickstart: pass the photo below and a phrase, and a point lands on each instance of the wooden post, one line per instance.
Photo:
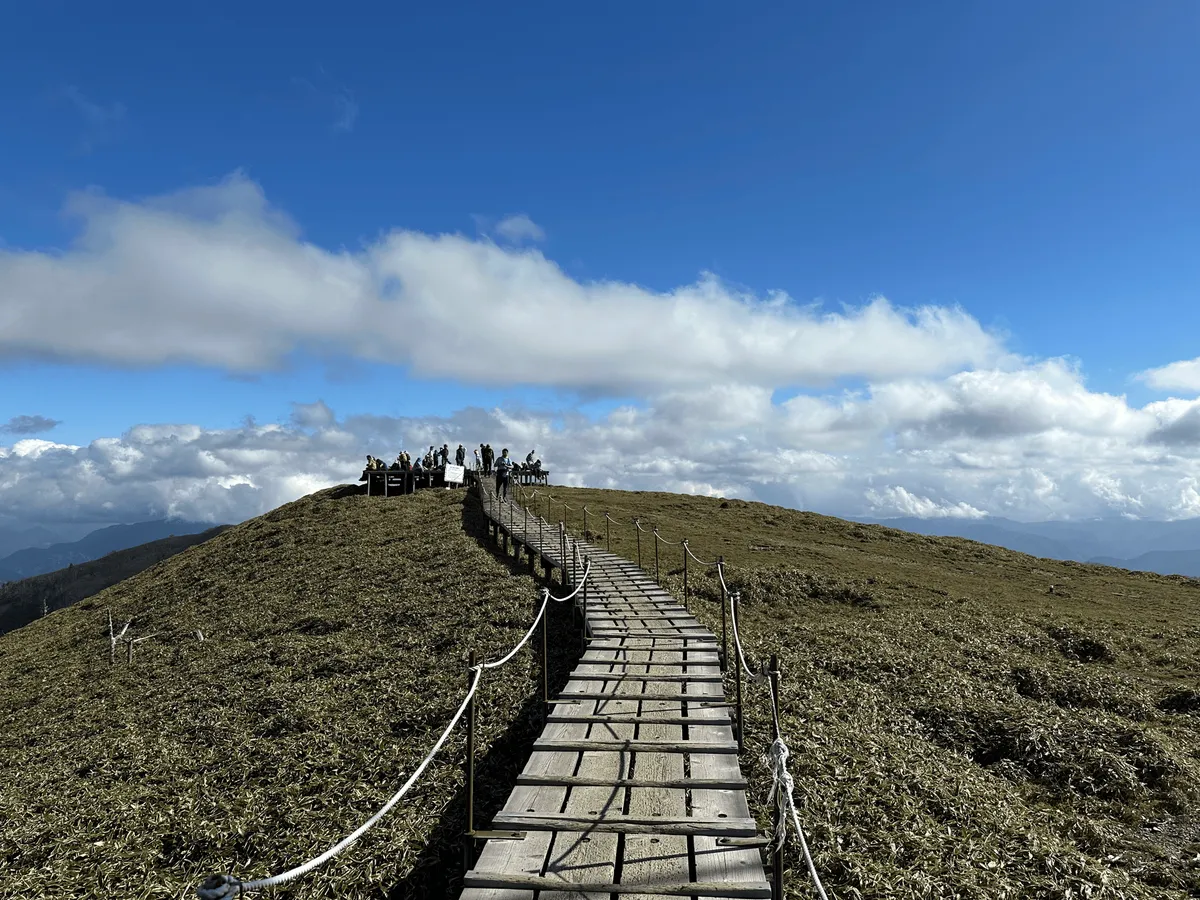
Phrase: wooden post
(129, 651)
(656, 575)
(545, 662)
(585, 531)
(638, 530)
(737, 665)
(469, 837)
(562, 552)
(724, 634)
(777, 855)
(607, 533)
(683, 544)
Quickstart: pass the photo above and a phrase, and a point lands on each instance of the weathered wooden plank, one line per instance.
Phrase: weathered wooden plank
(625, 719)
(731, 891)
(646, 676)
(635, 746)
(623, 824)
(688, 784)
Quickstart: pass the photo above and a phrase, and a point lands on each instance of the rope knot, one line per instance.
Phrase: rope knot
(219, 887)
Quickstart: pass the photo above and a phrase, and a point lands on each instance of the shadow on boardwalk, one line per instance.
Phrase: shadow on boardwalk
(437, 872)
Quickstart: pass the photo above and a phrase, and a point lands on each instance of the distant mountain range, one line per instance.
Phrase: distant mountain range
(23, 601)
(14, 539)
(38, 560)
(1168, 548)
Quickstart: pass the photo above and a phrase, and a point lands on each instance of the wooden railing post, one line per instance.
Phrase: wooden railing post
(469, 836)
(656, 575)
(638, 528)
(685, 572)
(777, 855)
(724, 599)
(737, 665)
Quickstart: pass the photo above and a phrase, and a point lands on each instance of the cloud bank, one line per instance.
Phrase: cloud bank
(941, 420)
(215, 276)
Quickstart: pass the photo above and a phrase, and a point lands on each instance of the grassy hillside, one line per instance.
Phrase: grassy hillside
(21, 601)
(958, 728)
(964, 720)
(336, 630)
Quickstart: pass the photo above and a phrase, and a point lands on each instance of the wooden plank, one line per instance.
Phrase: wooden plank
(686, 784)
(623, 824)
(624, 719)
(724, 891)
(646, 676)
(636, 746)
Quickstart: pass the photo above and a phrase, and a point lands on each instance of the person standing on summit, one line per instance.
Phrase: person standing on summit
(503, 471)
(460, 455)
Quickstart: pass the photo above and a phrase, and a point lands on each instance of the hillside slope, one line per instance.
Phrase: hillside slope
(21, 601)
(964, 720)
(336, 630)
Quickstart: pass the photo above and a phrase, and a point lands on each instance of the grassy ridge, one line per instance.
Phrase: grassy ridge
(964, 720)
(336, 631)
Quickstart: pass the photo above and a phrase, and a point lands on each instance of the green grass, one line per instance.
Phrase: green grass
(957, 729)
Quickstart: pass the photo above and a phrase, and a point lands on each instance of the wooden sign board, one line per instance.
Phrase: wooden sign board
(455, 474)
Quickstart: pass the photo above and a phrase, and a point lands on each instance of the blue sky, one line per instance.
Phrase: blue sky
(1033, 164)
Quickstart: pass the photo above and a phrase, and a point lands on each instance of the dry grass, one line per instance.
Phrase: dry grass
(957, 728)
(336, 632)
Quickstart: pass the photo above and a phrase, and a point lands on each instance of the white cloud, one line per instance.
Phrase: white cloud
(215, 276)
(312, 415)
(518, 229)
(896, 500)
(1177, 376)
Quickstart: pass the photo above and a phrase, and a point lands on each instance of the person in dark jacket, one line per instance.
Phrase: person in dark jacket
(504, 467)
(460, 456)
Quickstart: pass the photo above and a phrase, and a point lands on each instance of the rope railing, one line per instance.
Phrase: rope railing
(225, 887)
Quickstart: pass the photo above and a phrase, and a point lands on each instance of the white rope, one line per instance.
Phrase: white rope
(782, 786)
(693, 555)
(760, 675)
(222, 887)
(513, 652)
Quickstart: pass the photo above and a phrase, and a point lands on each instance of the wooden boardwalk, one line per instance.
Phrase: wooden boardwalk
(634, 786)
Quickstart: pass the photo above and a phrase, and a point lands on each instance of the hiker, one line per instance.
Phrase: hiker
(487, 459)
(504, 467)
(460, 456)
(445, 451)
(529, 459)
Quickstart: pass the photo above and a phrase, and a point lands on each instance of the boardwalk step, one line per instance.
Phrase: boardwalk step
(643, 676)
(587, 745)
(631, 719)
(733, 890)
(688, 784)
(620, 824)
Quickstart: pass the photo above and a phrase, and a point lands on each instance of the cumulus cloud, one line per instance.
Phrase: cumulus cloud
(1177, 376)
(518, 229)
(312, 415)
(215, 276)
(29, 425)
(896, 500)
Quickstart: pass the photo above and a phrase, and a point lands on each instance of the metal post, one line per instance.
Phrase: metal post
(541, 543)
(737, 666)
(656, 577)
(526, 508)
(724, 636)
(607, 533)
(585, 531)
(469, 837)
(683, 544)
(638, 528)
(777, 855)
(574, 563)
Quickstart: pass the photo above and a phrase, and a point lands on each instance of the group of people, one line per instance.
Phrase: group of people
(486, 462)
(432, 459)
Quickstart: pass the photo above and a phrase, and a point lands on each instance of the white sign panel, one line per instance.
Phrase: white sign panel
(455, 474)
